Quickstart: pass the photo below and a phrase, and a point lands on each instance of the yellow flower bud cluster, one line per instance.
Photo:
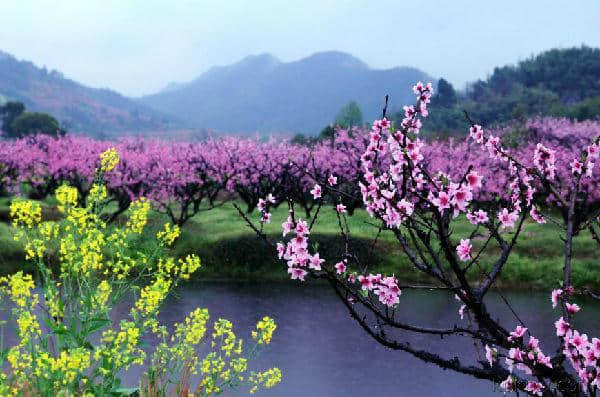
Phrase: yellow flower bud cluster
(139, 215)
(120, 349)
(66, 197)
(168, 235)
(97, 194)
(109, 160)
(63, 369)
(25, 213)
(264, 331)
(268, 379)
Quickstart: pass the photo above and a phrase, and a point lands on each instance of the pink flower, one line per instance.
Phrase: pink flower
(533, 343)
(595, 346)
(580, 341)
(515, 354)
(316, 191)
(562, 327)
(461, 197)
(299, 241)
(544, 159)
(261, 204)
(476, 132)
(332, 180)
(266, 217)
(534, 388)
(464, 249)
(385, 123)
(340, 267)
(315, 262)
(442, 201)
(406, 207)
(474, 179)
(508, 384)
(557, 293)
(536, 216)
(418, 88)
(287, 226)
(589, 169)
(352, 278)
(271, 198)
(477, 217)
(572, 308)
(593, 151)
(280, 250)
(517, 333)
(297, 273)
(543, 360)
(341, 208)
(302, 228)
(365, 282)
(576, 167)
(590, 358)
(507, 218)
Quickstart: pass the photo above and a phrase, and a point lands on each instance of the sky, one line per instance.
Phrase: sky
(138, 46)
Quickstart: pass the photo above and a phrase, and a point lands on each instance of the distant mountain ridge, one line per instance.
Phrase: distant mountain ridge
(261, 93)
(83, 109)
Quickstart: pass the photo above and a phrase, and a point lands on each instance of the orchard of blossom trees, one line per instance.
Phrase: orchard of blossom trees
(418, 190)
(498, 179)
(182, 178)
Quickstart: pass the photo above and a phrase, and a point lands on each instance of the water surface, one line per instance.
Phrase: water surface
(324, 353)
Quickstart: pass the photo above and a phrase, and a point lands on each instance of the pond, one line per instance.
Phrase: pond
(323, 352)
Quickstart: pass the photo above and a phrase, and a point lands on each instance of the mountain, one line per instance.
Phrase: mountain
(82, 109)
(562, 82)
(261, 93)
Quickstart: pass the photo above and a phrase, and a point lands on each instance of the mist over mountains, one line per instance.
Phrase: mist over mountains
(258, 93)
(79, 108)
(261, 93)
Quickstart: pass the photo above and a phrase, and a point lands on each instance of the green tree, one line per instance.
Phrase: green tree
(445, 96)
(29, 123)
(9, 112)
(350, 115)
(584, 110)
(327, 133)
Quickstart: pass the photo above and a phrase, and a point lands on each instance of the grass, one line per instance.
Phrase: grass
(230, 250)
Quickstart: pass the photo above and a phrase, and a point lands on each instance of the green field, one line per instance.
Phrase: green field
(230, 250)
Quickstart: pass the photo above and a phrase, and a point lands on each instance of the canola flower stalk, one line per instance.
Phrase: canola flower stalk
(67, 342)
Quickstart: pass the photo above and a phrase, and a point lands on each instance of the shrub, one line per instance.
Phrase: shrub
(67, 341)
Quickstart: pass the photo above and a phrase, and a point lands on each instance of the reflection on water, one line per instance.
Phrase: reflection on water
(323, 353)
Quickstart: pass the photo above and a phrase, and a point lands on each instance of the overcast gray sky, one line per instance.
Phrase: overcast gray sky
(137, 46)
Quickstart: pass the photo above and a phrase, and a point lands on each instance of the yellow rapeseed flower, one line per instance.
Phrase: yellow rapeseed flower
(109, 160)
(66, 196)
(168, 234)
(25, 213)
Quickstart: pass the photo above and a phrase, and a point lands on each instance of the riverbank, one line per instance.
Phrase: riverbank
(231, 251)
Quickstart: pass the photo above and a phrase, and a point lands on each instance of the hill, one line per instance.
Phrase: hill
(261, 93)
(82, 109)
(558, 82)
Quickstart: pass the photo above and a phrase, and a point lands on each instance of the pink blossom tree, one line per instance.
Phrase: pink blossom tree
(418, 197)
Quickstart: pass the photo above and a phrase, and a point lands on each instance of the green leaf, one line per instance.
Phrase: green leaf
(97, 324)
(127, 391)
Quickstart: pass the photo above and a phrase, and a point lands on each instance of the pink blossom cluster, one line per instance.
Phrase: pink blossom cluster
(296, 251)
(386, 288)
(582, 352)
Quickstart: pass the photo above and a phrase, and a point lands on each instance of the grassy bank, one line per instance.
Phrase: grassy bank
(230, 250)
